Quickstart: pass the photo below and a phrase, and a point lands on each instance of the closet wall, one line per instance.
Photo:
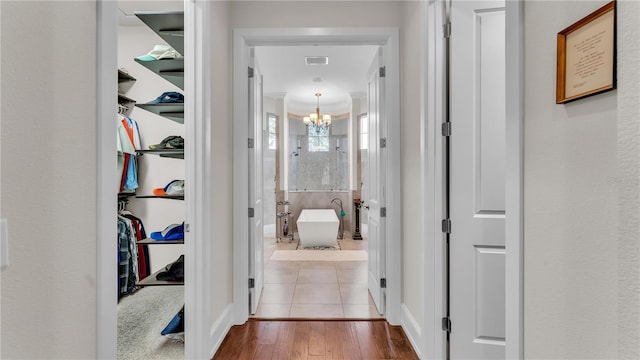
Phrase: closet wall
(153, 171)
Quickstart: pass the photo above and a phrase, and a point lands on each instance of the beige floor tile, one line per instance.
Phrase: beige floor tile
(351, 265)
(280, 275)
(317, 294)
(277, 293)
(320, 275)
(361, 312)
(316, 311)
(349, 276)
(354, 294)
(273, 311)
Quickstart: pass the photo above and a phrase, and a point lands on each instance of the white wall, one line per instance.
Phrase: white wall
(574, 249)
(628, 179)
(412, 238)
(222, 162)
(49, 179)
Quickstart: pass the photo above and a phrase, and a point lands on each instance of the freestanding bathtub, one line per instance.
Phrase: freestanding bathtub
(318, 227)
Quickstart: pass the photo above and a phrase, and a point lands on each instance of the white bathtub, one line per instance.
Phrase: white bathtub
(318, 227)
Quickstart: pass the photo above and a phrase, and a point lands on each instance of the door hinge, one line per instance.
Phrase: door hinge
(383, 283)
(187, 228)
(446, 30)
(446, 128)
(446, 324)
(383, 212)
(446, 226)
(250, 72)
(250, 143)
(251, 212)
(252, 283)
(383, 71)
(383, 143)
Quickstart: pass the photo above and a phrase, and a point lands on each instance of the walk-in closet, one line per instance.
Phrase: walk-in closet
(151, 173)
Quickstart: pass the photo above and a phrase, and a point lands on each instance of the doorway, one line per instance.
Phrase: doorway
(320, 162)
(244, 40)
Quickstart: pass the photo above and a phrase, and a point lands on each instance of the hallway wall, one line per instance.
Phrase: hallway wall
(49, 178)
(573, 238)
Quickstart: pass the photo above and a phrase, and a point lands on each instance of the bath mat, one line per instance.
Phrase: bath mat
(337, 247)
(315, 255)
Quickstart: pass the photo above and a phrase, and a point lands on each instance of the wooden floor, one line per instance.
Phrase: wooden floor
(317, 340)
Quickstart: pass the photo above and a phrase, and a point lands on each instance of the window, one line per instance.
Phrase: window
(364, 132)
(318, 138)
(273, 139)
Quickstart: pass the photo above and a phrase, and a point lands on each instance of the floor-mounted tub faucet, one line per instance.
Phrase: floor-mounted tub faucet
(342, 215)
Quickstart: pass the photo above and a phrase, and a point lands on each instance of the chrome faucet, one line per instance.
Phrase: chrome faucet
(337, 201)
(342, 214)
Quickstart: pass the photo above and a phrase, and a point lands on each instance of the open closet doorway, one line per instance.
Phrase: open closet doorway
(318, 174)
(147, 44)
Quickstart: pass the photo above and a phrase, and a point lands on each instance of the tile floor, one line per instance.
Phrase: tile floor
(315, 289)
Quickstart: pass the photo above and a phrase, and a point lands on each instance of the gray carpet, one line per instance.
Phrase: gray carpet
(141, 318)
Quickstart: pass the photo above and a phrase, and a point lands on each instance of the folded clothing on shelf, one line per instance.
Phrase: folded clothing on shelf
(160, 52)
(170, 142)
(171, 232)
(168, 98)
(175, 187)
(173, 271)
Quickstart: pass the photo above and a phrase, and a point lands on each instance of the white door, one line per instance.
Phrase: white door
(376, 199)
(477, 240)
(256, 242)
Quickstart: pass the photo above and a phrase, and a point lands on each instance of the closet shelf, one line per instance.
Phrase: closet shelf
(124, 99)
(168, 153)
(160, 242)
(172, 197)
(125, 195)
(171, 111)
(125, 81)
(171, 70)
(152, 281)
(169, 25)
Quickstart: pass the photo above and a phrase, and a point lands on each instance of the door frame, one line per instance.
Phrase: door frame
(388, 38)
(198, 274)
(432, 165)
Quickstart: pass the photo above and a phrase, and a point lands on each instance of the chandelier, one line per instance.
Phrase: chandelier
(315, 119)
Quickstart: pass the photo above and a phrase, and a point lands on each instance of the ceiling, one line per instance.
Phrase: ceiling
(285, 72)
(284, 69)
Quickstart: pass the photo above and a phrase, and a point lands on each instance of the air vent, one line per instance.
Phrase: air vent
(316, 60)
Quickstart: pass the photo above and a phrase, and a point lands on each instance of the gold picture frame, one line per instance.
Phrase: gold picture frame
(586, 62)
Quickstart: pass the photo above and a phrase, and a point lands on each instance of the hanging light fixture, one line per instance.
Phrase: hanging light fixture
(315, 119)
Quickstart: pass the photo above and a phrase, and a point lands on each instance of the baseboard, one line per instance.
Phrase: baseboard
(412, 330)
(220, 329)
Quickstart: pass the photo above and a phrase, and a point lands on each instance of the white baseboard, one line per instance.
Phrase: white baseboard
(412, 330)
(220, 329)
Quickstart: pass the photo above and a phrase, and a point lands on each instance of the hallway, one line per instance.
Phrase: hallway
(317, 340)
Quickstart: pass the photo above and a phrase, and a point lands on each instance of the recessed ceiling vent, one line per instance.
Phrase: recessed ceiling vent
(316, 60)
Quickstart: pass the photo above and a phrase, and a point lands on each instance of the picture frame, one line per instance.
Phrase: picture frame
(586, 60)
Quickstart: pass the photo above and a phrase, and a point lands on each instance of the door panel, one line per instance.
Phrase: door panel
(375, 223)
(477, 240)
(255, 185)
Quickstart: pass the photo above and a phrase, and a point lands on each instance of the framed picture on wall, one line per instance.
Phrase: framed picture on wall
(586, 62)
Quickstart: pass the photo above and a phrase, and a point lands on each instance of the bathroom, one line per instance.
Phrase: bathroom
(307, 167)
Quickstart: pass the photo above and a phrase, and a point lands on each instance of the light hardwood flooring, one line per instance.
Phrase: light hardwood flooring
(315, 289)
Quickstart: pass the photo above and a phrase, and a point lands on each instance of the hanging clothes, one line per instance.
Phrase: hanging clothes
(133, 259)
(127, 143)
